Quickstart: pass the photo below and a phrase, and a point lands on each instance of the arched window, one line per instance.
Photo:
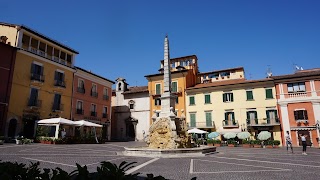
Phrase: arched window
(131, 104)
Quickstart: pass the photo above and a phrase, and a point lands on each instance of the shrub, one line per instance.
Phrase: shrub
(276, 142)
(216, 141)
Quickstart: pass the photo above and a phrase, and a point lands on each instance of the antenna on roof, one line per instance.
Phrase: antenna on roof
(297, 68)
(269, 72)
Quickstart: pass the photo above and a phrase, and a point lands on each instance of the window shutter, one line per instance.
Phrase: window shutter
(55, 102)
(226, 116)
(224, 97)
(267, 114)
(249, 95)
(155, 102)
(231, 94)
(193, 120)
(62, 77)
(296, 115)
(269, 93)
(255, 115)
(32, 68)
(275, 114)
(158, 89)
(174, 87)
(56, 75)
(248, 114)
(208, 119)
(232, 113)
(305, 114)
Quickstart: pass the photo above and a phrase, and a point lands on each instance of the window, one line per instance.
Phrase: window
(59, 79)
(57, 102)
(249, 95)
(33, 100)
(157, 102)
(191, 100)
(37, 72)
(208, 119)
(105, 94)
(252, 117)
(158, 88)
(105, 112)
(94, 92)
(229, 118)
(177, 100)
(93, 110)
(207, 99)
(192, 120)
(228, 97)
(272, 116)
(296, 87)
(81, 86)
(79, 107)
(222, 74)
(174, 87)
(173, 65)
(131, 104)
(300, 115)
(269, 94)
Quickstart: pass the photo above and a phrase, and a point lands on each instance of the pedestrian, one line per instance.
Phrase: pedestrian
(304, 143)
(289, 142)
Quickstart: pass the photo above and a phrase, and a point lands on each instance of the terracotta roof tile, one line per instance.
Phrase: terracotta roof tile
(136, 89)
(302, 73)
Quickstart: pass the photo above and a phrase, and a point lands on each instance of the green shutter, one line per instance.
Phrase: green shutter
(207, 98)
(226, 118)
(208, 119)
(174, 87)
(231, 94)
(249, 95)
(268, 115)
(158, 89)
(269, 94)
(232, 115)
(255, 115)
(193, 120)
(248, 117)
(224, 97)
(191, 99)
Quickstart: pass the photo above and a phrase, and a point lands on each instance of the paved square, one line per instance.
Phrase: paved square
(227, 163)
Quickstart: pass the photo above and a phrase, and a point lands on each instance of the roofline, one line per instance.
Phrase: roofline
(221, 70)
(39, 34)
(182, 57)
(295, 75)
(76, 67)
(174, 72)
(243, 82)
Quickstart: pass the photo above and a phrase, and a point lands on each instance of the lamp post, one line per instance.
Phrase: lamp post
(107, 132)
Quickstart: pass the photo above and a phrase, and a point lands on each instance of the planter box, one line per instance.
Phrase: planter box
(246, 145)
(257, 146)
(230, 145)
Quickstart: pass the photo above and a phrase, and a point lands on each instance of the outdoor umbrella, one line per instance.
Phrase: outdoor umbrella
(229, 135)
(243, 135)
(264, 135)
(213, 135)
(197, 131)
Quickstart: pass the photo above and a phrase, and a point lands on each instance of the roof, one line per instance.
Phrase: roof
(136, 89)
(227, 82)
(94, 74)
(221, 70)
(183, 57)
(299, 74)
(173, 72)
(40, 35)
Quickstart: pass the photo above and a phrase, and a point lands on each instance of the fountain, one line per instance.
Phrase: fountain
(168, 135)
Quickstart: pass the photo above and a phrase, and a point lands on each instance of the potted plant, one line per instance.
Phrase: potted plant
(216, 142)
(257, 143)
(246, 143)
(210, 142)
(276, 143)
(231, 143)
(19, 140)
(1, 140)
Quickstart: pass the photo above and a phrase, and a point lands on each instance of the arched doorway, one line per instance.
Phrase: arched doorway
(12, 128)
(131, 124)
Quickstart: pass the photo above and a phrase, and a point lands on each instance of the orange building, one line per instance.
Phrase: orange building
(299, 105)
(92, 99)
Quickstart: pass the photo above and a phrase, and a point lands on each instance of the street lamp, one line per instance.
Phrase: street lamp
(107, 124)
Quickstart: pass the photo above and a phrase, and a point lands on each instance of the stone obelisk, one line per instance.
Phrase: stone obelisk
(167, 99)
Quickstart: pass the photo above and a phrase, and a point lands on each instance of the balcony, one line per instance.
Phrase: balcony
(42, 53)
(177, 91)
(104, 115)
(57, 107)
(94, 94)
(33, 50)
(156, 93)
(80, 111)
(37, 77)
(202, 125)
(81, 90)
(94, 114)
(34, 103)
(105, 97)
(297, 94)
(230, 123)
(263, 122)
(59, 83)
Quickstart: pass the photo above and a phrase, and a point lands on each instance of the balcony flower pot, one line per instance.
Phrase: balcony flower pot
(246, 145)
(230, 145)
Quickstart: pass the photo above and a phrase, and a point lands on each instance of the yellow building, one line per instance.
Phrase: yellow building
(225, 101)
(183, 74)
(42, 80)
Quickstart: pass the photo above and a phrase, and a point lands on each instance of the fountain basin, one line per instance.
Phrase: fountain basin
(168, 153)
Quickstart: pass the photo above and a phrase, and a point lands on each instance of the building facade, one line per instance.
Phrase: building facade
(92, 99)
(42, 80)
(298, 98)
(226, 102)
(8, 55)
(130, 112)
(183, 75)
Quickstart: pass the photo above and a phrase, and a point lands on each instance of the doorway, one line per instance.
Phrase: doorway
(12, 128)
(304, 132)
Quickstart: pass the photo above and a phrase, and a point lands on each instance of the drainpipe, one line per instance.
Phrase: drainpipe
(72, 95)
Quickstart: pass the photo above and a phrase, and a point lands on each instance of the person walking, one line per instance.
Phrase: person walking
(289, 142)
(304, 143)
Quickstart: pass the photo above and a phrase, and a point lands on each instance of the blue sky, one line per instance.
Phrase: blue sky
(125, 38)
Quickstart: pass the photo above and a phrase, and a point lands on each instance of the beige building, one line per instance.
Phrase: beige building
(225, 101)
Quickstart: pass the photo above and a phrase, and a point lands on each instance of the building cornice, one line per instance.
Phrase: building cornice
(283, 102)
(92, 78)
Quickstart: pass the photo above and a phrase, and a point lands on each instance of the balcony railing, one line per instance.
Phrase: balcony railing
(42, 53)
(57, 107)
(33, 50)
(79, 111)
(81, 90)
(94, 114)
(298, 94)
(263, 122)
(94, 94)
(105, 97)
(34, 103)
(230, 123)
(104, 115)
(59, 83)
(37, 77)
(202, 125)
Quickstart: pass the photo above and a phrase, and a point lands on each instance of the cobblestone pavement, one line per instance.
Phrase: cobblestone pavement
(227, 163)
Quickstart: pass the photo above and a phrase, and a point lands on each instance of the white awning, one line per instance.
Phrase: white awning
(223, 131)
(86, 123)
(53, 121)
(197, 131)
(303, 128)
